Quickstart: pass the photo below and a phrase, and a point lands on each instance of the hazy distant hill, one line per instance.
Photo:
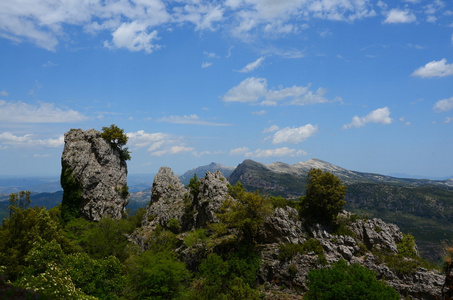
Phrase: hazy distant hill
(201, 172)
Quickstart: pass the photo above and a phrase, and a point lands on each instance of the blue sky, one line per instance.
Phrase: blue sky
(364, 84)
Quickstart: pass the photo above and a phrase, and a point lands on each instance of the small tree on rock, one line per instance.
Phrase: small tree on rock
(324, 198)
(117, 139)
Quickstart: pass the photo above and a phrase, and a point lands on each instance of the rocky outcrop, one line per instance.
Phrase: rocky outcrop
(213, 191)
(167, 200)
(363, 241)
(375, 234)
(170, 200)
(94, 176)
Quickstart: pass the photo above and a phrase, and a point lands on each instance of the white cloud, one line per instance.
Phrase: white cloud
(249, 90)
(448, 120)
(133, 36)
(239, 151)
(191, 120)
(271, 129)
(172, 150)
(253, 65)
(4, 93)
(206, 64)
(294, 135)
(8, 138)
(158, 143)
(285, 151)
(253, 90)
(134, 23)
(443, 105)
(20, 112)
(380, 115)
(400, 16)
(259, 112)
(435, 69)
(202, 15)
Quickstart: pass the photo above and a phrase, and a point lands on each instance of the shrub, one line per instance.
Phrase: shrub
(343, 281)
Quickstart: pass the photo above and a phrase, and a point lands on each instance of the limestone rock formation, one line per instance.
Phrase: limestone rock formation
(167, 199)
(93, 177)
(363, 242)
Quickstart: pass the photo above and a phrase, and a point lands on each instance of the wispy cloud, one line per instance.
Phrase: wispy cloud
(443, 105)
(206, 65)
(20, 112)
(28, 140)
(252, 66)
(400, 16)
(279, 152)
(254, 90)
(4, 93)
(435, 69)
(380, 115)
(190, 120)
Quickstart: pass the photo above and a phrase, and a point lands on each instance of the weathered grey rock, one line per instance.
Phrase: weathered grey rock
(377, 233)
(421, 284)
(283, 226)
(213, 192)
(99, 171)
(167, 199)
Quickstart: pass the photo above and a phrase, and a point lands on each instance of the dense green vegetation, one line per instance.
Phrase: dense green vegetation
(347, 282)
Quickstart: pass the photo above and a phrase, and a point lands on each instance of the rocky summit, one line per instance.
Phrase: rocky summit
(94, 176)
(283, 271)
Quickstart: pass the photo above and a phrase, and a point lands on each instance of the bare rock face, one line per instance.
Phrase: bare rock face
(167, 200)
(213, 191)
(93, 177)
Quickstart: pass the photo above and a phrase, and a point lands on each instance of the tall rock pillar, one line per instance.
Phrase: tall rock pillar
(93, 177)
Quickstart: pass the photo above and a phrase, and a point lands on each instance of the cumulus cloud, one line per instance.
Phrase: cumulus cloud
(443, 105)
(254, 90)
(400, 16)
(158, 143)
(134, 24)
(435, 69)
(4, 93)
(285, 151)
(20, 112)
(133, 36)
(8, 138)
(294, 135)
(380, 115)
(252, 66)
(190, 120)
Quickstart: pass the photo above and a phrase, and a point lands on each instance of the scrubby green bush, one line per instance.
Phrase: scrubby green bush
(347, 282)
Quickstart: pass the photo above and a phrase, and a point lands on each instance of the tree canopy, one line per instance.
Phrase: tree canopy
(117, 138)
(324, 198)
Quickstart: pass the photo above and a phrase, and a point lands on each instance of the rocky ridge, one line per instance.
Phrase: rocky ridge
(94, 176)
(172, 201)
